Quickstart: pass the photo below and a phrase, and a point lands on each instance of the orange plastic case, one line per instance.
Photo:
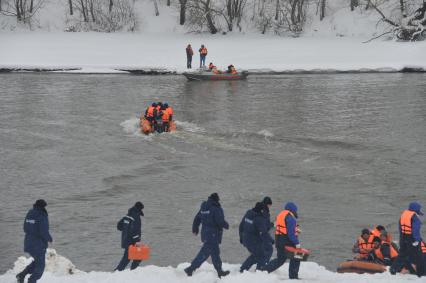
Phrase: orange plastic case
(139, 253)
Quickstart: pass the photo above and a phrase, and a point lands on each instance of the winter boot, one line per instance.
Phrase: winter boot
(20, 277)
(222, 273)
(188, 271)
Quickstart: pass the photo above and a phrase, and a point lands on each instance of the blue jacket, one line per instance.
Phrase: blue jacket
(132, 228)
(213, 222)
(267, 216)
(36, 228)
(253, 229)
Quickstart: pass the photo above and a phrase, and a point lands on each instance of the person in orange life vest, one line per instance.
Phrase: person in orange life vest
(216, 71)
(364, 245)
(285, 235)
(211, 66)
(383, 252)
(409, 240)
(203, 54)
(151, 112)
(157, 118)
(166, 117)
(231, 70)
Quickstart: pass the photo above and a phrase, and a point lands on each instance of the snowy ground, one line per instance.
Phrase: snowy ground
(58, 269)
(100, 53)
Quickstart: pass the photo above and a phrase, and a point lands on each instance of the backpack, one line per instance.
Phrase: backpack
(125, 220)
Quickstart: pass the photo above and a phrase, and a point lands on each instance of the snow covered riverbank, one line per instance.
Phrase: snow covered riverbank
(58, 269)
(112, 53)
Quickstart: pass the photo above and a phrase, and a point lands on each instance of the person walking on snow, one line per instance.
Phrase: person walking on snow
(189, 54)
(268, 245)
(37, 238)
(203, 55)
(409, 240)
(212, 219)
(286, 235)
(131, 231)
(253, 235)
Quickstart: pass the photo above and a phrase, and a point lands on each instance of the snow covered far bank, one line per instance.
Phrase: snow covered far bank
(98, 52)
(60, 269)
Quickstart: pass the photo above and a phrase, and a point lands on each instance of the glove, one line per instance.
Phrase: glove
(298, 246)
(415, 244)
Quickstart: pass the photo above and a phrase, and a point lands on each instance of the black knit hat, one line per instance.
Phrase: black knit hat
(140, 207)
(215, 197)
(40, 203)
(267, 201)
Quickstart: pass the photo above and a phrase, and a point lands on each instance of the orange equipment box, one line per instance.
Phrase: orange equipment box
(139, 253)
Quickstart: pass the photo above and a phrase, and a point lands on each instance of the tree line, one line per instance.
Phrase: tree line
(405, 19)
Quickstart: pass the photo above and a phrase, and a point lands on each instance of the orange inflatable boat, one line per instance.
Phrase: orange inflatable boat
(355, 266)
(147, 129)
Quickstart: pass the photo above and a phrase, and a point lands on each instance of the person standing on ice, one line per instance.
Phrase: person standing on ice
(131, 231)
(286, 235)
(409, 240)
(37, 238)
(189, 54)
(253, 235)
(212, 219)
(203, 55)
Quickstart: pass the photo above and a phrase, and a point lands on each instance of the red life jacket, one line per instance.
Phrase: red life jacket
(203, 51)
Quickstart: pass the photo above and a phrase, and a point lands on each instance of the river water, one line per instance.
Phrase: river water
(349, 149)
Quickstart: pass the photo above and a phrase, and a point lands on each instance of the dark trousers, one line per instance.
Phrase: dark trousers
(408, 254)
(208, 250)
(125, 261)
(268, 249)
(36, 267)
(257, 256)
(293, 270)
(189, 61)
(166, 126)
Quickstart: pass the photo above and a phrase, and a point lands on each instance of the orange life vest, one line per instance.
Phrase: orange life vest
(423, 247)
(203, 51)
(170, 110)
(365, 246)
(393, 252)
(281, 227)
(150, 111)
(405, 222)
(166, 116)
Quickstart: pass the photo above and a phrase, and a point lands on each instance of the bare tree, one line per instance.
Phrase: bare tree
(354, 4)
(70, 7)
(23, 10)
(234, 12)
(157, 12)
(111, 4)
(168, 3)
(402, 6)
(202, 13)
(182, 13)
(322, 9)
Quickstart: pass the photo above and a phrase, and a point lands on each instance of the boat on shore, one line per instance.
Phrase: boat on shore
(210, 76)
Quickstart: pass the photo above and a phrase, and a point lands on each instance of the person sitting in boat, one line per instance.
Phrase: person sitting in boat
(151, 112)
(383, 251)
(231, 70)
(216, 71)
(211, 66)
(364, 245)
(166, 117)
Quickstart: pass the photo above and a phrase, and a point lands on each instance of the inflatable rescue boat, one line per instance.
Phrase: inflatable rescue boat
(210, 76)
(147, 129)
(355, 266)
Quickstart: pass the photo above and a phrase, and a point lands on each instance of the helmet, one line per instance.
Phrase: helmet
(154, 104)
(165, 104)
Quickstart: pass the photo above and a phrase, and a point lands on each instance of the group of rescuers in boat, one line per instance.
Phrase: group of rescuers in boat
(375, 245)
(231, 69)
(160, 116)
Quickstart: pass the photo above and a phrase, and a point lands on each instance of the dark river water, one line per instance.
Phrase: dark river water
(349, 149)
